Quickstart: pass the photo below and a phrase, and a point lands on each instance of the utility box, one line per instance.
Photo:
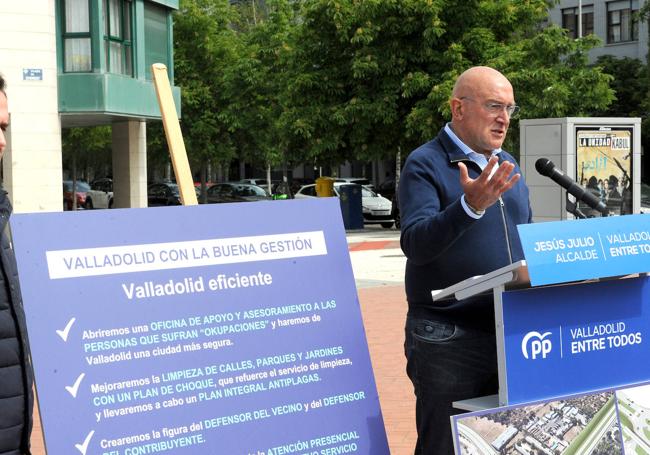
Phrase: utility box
(602, 154)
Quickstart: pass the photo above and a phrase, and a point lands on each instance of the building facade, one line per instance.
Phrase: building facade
(612, 21)
(80, 63)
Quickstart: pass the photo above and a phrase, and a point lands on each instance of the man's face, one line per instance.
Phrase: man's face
(4, 121)
(485, 131)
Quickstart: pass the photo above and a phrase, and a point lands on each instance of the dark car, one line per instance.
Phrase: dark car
(645, 197)
(81, 189)
(161, 194)
(236, 192)
(387, 188)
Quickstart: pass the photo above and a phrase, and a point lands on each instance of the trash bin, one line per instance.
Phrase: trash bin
(350, 198)
(325, 187)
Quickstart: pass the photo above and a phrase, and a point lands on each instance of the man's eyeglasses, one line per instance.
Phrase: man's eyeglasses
(495, 108)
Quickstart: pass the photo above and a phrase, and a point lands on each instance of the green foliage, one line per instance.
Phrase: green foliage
(87, 148)
(324, 81)
(204, 47)
(231, 66)
(630, 83)
(378, 74)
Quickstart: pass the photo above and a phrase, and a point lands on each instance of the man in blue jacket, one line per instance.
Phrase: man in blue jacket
(461, 197)
(16, 398)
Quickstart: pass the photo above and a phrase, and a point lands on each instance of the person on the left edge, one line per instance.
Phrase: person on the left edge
(16, 398)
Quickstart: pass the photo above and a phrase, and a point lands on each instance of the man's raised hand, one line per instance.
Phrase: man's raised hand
(485, 190)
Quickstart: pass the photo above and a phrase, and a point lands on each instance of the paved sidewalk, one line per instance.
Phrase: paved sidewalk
(384, 310)
(378, 265)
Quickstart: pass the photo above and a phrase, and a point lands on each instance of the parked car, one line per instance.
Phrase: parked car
(164, 193)
(376, 209)
(100, 195)
(236, 192)
(358, 180)
(299, 182)
(387, 188)
(258, 182)
(278, 189)
(81, 189)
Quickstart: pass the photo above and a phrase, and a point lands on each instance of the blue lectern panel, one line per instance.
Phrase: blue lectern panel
(221, 329)
(563, 251)
(576, 338)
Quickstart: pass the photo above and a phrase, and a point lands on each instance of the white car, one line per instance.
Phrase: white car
(100, 195)
(376, 209)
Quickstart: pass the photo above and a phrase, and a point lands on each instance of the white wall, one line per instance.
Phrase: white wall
(32, 159)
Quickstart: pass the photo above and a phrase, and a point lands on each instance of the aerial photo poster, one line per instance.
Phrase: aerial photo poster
(213, 329)
(611, 422)
(604, 167)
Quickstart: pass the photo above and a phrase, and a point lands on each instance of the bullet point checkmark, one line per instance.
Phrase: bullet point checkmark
(64, 333)
(83, 447)
(72, 389)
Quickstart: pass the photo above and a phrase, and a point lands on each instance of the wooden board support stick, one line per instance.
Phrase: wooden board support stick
(174, 135)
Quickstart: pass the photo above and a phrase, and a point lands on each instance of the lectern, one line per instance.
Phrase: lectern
(514, 275)
(562, 337)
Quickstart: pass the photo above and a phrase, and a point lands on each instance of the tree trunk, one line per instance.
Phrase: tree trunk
(168, 171)
(204, 186)
(398, 166)
(74, 180)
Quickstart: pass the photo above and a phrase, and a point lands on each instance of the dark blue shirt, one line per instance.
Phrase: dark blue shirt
(442, 243)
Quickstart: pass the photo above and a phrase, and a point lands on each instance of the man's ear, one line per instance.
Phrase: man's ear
(456, 108)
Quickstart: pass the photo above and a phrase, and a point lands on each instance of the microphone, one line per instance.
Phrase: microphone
(546, 167)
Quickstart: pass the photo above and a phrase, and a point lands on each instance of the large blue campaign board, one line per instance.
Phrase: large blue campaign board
(218, 329)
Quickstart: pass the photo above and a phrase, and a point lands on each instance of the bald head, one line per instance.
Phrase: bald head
(478, 79)
(479, 104)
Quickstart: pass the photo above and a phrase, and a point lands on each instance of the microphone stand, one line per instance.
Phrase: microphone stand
(572, 208)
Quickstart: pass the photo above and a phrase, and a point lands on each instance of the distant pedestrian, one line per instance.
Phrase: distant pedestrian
(614, 199)
(16, 400)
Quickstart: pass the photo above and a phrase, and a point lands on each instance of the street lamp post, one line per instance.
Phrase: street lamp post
(579, 18)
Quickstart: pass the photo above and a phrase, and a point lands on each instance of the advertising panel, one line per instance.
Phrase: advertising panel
(604, 167)
(218, 329)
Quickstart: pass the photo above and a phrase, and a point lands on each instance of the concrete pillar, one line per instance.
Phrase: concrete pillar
(130, 164)
(32, 160)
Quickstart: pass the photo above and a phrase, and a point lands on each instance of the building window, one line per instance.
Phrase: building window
(118, 36)
(570, 20)
(156, 36)
(621, 26)
(77, 55)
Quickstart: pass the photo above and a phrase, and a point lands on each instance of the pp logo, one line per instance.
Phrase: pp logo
(538, 345)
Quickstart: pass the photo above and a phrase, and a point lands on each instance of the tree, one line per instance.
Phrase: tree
(87, 152)
(373, 77)
(205, 45)
(630, 84)
(257, 82)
